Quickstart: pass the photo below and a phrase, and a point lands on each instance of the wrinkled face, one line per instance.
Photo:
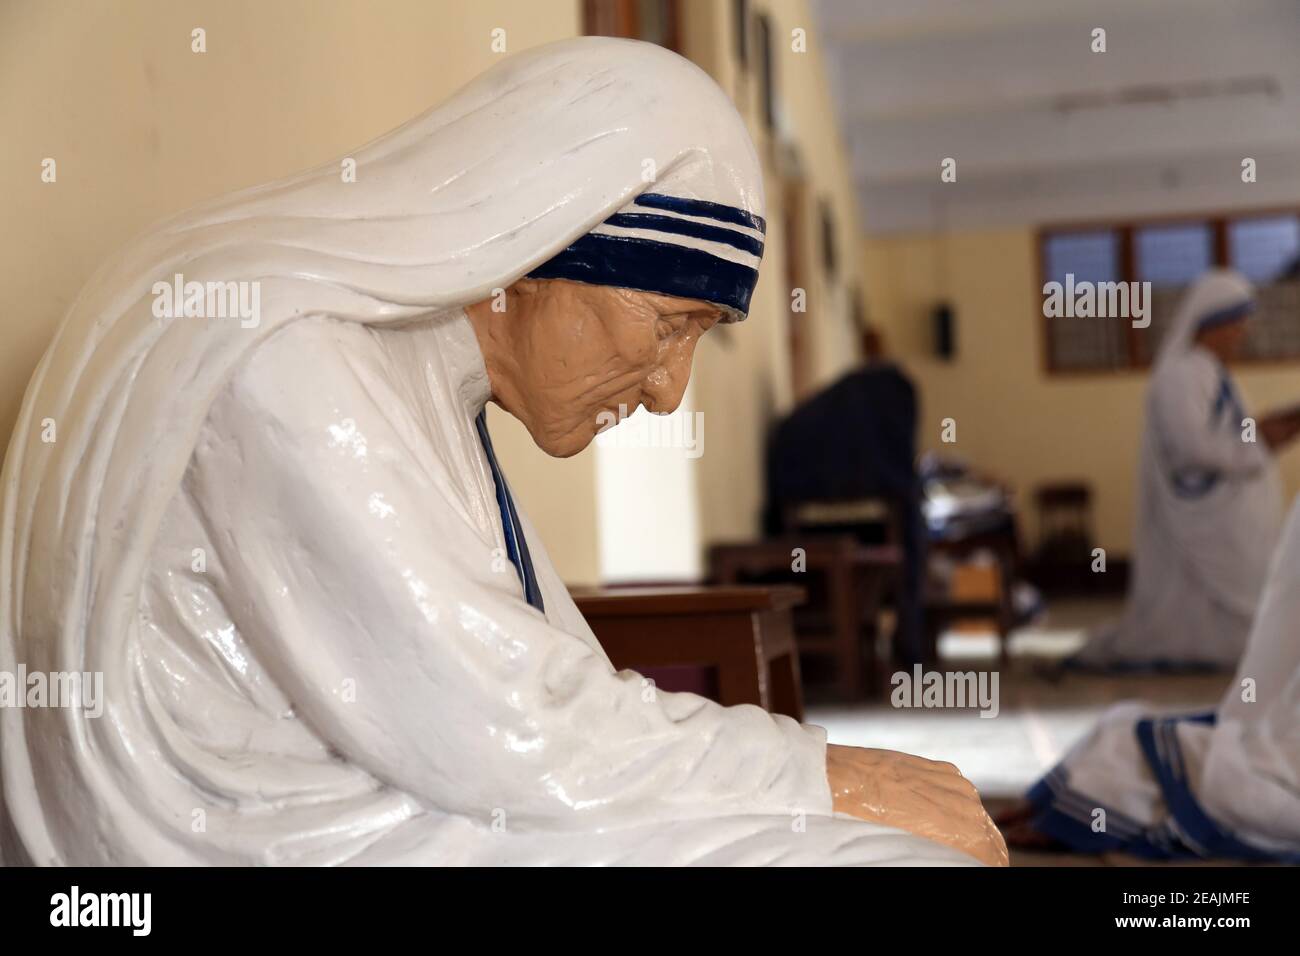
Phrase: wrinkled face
(585, 354)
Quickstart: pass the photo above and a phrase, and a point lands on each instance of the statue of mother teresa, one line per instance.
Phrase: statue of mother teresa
(326, 633)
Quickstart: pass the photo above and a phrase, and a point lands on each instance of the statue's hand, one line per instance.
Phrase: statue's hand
(924, 797)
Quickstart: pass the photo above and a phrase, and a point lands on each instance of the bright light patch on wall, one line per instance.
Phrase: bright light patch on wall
(647, 501)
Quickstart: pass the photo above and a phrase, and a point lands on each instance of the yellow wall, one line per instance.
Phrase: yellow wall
(1013, 419)
(742, 373)
(141, 128)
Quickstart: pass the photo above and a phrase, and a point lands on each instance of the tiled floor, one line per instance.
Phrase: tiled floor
(1038, 719)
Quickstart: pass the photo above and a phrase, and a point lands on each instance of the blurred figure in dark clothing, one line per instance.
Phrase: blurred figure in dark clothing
(852, 441)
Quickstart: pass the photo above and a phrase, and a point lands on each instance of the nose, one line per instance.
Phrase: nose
(662, 391)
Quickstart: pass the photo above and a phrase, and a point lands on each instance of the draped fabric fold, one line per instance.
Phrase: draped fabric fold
(278, 540)
(1221, 785)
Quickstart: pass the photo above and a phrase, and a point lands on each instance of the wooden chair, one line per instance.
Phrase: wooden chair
(855, 575)
(1062, 559)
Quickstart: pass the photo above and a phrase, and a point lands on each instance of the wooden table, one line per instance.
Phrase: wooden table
(744, 633)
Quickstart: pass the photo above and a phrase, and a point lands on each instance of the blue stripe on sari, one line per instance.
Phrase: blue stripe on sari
(1226, 399)
(1194, 482)
(630, 262)
(1159, 740)
(703, 209)
(687, 227)
(1187, 832)
(516, 542)
(1229, 313)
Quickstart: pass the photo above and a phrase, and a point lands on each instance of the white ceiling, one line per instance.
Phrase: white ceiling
(1045, 130)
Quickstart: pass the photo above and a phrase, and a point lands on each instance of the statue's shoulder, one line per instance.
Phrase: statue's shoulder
(309, 371)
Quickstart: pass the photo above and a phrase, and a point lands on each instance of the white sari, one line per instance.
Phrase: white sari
(1209, 506)
(1225, 784)
(284, 547)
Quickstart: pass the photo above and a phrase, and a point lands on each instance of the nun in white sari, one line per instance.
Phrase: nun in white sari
(1209, 501)
(326, 633)
(1224, 784)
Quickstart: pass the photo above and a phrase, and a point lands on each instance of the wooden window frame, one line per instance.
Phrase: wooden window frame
(740, 24)
(620, 18)
(1217, 221)
(766, 52)
(828, 239)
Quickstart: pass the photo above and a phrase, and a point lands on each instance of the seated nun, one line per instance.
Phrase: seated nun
(326, 632)
(1209, 501)
(1225, 784)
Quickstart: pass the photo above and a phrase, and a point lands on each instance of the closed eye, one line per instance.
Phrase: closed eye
(674, 322)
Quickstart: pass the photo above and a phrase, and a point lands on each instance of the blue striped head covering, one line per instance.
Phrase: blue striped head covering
(1217, 297)
(674, 245)
(1233, 312)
